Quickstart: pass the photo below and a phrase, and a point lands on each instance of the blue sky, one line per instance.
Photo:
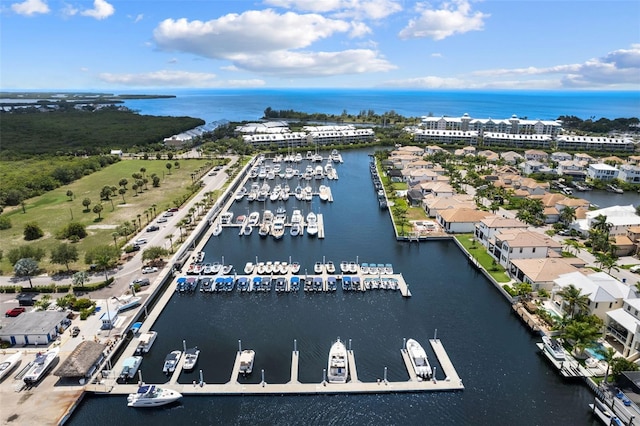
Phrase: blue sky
(456, 44)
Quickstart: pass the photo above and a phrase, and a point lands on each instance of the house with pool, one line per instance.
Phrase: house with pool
(623, 325)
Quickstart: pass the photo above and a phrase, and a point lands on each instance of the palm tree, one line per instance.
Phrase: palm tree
(572, 246)
(567, 215)
(600, 223)
(606, 261)
(582, 334)
(608, 354)
(573, 297)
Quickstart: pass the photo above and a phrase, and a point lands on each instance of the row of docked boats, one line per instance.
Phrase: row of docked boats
(213, 268)
(377, 184)
(271, 267)
(266, 172)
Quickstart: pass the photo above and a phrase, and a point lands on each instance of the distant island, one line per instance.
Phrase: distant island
(21, 99)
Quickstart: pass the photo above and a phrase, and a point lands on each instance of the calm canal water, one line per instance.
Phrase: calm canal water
(507, 381)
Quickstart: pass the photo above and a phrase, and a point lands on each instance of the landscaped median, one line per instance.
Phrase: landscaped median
(480, 254)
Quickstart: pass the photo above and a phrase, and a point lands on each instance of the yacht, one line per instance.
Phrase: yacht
(324, 192)
(145, 342)
(190, 358)
(338, 367)
(318, 172)
(295, 230)
(614, 189)
(275, 194)
(127, 302)
(419, 360)
(9, 364)
(353, 267)
(267, 219)
(299, 193)
(217, 229)
(241, 193)
(171, 362)
(312, 224)
(130, 368)
(246, 361)
(254, 218)
(277, 230)
(40, 366)
(554, 348)
(226, 218)
(152, 396)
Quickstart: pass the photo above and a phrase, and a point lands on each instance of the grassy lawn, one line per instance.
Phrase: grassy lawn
(484, 258)
(53, 210)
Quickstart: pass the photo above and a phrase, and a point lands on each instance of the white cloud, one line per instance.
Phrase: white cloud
(313, 64)
(138, 18)
(252, 32)
(101, 10)
(30, 7)
(69, 10)
(616, 69)
(359, 29)
(428, 82)
(256, 82)
(355, 9)
(453, 17)
(436, 55)
(163, 78)
(84, 69)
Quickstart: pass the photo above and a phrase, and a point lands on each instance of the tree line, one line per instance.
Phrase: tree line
(602, 125)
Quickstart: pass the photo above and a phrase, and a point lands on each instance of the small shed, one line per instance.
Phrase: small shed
(34, 328)
(83, 361)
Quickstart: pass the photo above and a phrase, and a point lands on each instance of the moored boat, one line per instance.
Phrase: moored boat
(152, 396)
(130, 367)
(127, 302)
(248, 268)
(171, 362)
(295, 267)
(419, 359)
(246, 361)
(217, 229)
(312, 224)
(554, 348)
(338, 367)
(40, 366)
(9, 364)
(145, 341)
(191, 358)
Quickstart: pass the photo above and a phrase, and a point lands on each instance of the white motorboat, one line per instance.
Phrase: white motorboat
(419, 360)
(9, 364)
(226, 217)
(152, 396)
(40, 366)
(145, 342)
(217, 229)
(338, 367)
(226, 269)
(130, 367)
(318, 268)
(171, 362)
(330, 267)
(254, 218)
(241, 193)
(199, 257)
(344, 266)
(554, 347)
(323, 192)
(295, 267)
(312, 224)
(216, 267)
(295, 230)
(388, 269)
(277, 230)
(127, 302)
(190, 358)
(318, 172)
(353, 267)
(260, 268)
(275, 193)
(248, 268)
(246, 361)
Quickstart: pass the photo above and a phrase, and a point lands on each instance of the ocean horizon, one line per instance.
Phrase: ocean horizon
(249, 104)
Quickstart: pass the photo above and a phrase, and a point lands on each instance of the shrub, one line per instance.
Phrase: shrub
(5, 222)
(80, 304)
(32, 231)
(73, 229)
(509, 290)
(84, 314)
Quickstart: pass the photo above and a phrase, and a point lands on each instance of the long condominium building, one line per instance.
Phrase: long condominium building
(513, 125)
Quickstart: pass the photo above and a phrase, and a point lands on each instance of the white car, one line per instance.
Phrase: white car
(635, 269)
(140, 241)
(149, 270)
(161, 220)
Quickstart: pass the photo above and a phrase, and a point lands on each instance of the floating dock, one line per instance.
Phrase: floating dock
(452, 382)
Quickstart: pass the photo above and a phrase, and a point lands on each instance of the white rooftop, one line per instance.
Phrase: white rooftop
(600, 287)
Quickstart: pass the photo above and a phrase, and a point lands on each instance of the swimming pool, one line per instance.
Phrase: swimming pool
(595, 351)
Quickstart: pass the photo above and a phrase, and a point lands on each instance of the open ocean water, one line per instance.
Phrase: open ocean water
(249, 104)
(507, 380)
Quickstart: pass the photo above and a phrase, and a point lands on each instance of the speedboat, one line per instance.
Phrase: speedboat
(226, 269)
(246, 361)
(145, 342)
(324, 192)
(248, 268)
(40, 366)
(295, 267)
(130, 367)
(217, 229)
(419, 360)
(277, 230)
(353, 267)
(318, 267)
(152, 396)
(127, 302)
(338, 368)
(190, 358)
(295, 229)
(388, 269)
(344, 266)
(9, 364)
(254, 218)
(554, 348)
(331, 268)
(312, 224)
(171, 362)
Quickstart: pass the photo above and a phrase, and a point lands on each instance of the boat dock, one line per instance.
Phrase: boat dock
(451, 382)
(570, 367)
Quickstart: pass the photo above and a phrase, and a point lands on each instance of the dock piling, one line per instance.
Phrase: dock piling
(262, 382)
(239, 345)
(184, 346)
(435, 334)
(404, 343)
(433, 376)
(324, 377)
(201, 379)
(295, 345)
(349, 344)
(386, 382)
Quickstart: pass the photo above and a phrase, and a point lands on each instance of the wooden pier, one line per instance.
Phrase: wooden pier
(451, 382)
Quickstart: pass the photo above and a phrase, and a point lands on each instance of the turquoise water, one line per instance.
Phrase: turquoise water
(593, 352)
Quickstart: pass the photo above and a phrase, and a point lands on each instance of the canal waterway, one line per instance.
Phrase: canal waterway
(506, 380)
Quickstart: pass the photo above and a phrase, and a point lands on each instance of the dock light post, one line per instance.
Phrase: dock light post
(184, 345)
(349, 344)
(201, 379)
(404, 343)
(385, 376)
(433, 375)
(239, 345)
(324, 376)
(295, 345)
(435, 334)
(262, 382)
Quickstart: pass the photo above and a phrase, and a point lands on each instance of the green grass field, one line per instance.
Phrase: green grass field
(480, 253)
(53, 210)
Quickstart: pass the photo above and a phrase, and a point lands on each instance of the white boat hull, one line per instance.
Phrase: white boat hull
(338, 366)
(419, 359)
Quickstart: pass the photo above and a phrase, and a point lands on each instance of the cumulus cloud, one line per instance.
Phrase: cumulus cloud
(452, 18)
(30, 7)
(314, 64)
(618, 68)
(252, 32)
(163, 78)
(101, 10)
(355, 9)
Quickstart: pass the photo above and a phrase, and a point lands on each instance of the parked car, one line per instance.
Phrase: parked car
(14, 312)
(75, 331)
(565, 232)
(152, 228)
(149, 270)
(213, 173)
(141, 281)
(168, 214)
(172, 209)
(140, 241)
(635, 269)
(161, 220)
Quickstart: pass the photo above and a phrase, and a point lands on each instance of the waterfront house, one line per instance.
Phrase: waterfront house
(633, 233)
(460, 220)
(511, 157)
(575, 169)
(604, 292)
(534, 166)
(34, 328)
(518, 244)
(487, 228)
(542, 272)
(489, 155)
(602, 171)
(437, 188)
(433, 204)
(629, 173)
(580, 156)
(415, 151)
(560, 156)
(416, 176)
(623, 245)
(623, 325)
(621, 219)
